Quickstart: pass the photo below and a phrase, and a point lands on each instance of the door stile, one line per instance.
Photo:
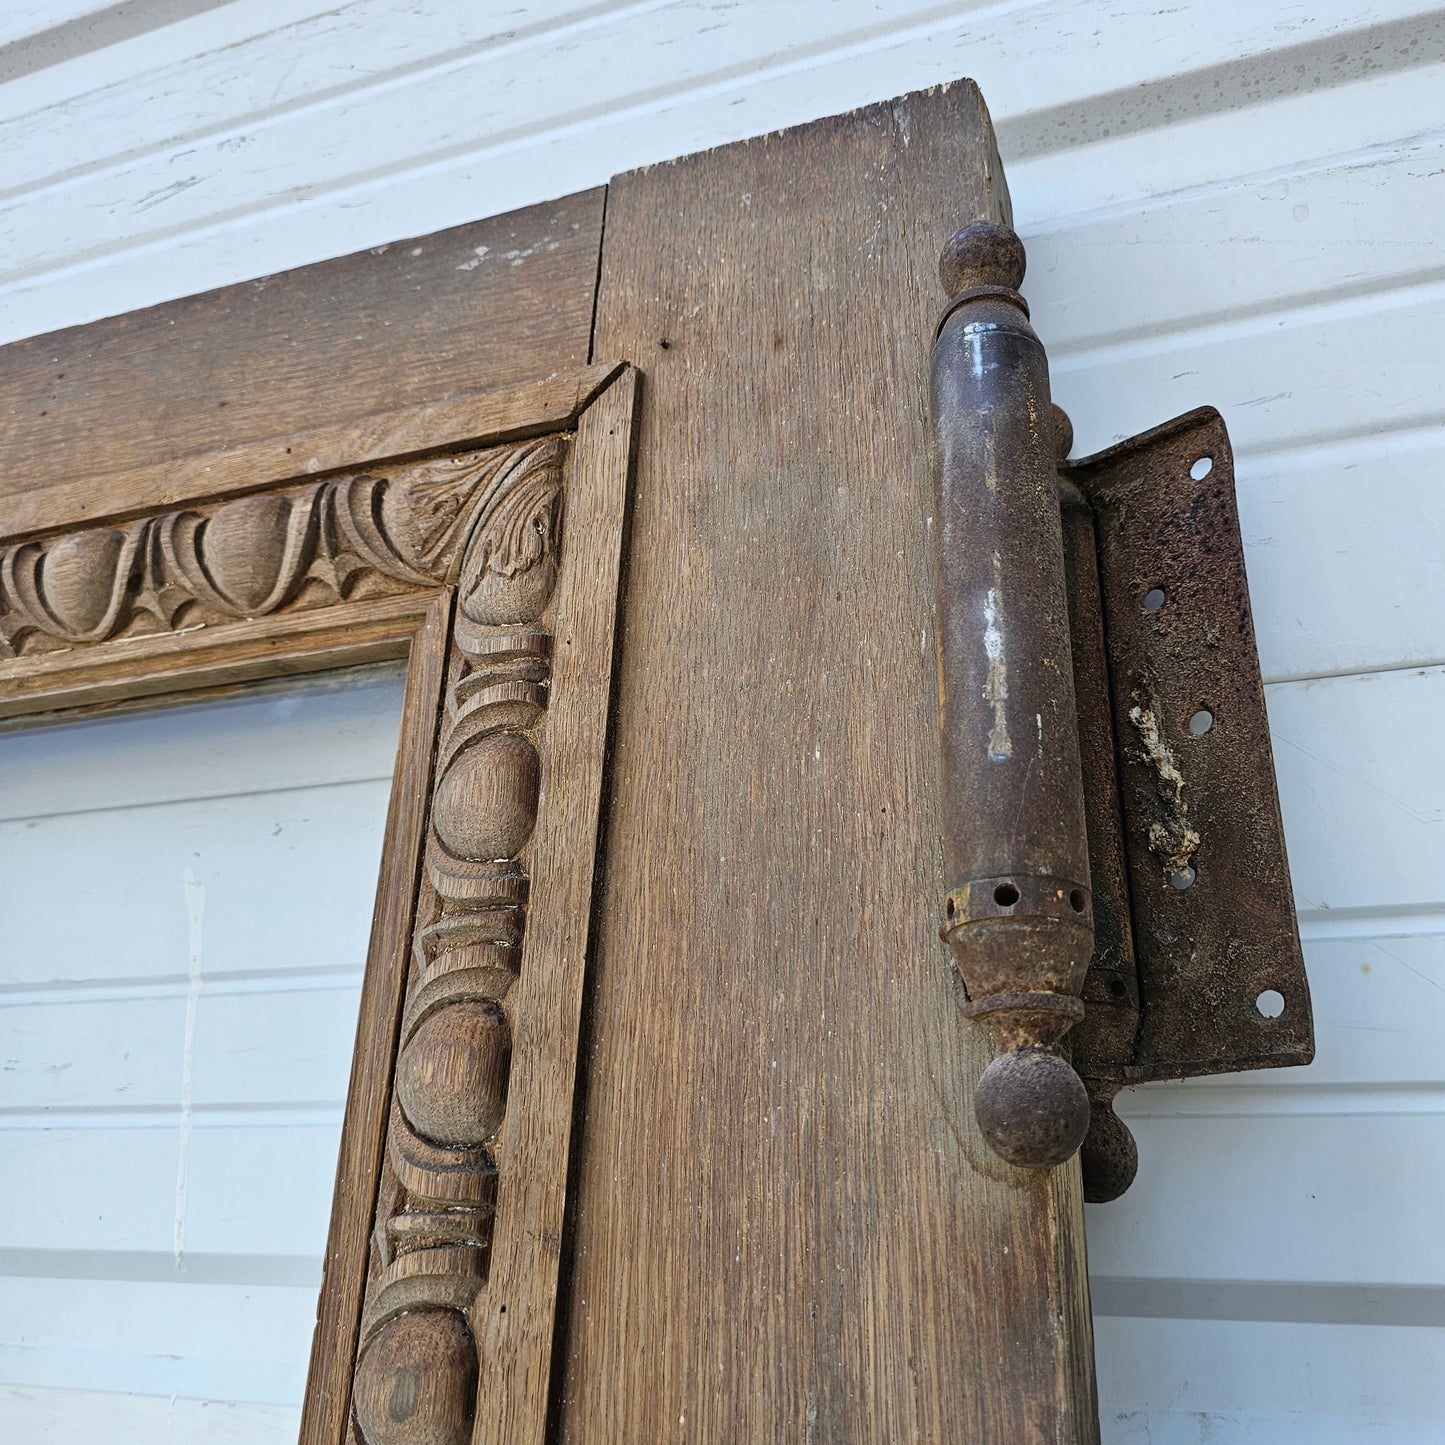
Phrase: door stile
(766, 1211)
(788, 1225)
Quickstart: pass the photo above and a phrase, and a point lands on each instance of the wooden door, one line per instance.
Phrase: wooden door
(780, 1220)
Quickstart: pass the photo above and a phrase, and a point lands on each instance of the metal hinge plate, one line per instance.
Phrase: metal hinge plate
(1220, 976)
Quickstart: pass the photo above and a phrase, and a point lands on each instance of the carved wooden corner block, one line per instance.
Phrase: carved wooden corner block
(433, 1235)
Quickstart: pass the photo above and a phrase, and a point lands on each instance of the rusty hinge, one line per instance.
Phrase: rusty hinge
(1119, 890)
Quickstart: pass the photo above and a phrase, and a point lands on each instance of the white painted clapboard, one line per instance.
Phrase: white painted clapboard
(184, 913)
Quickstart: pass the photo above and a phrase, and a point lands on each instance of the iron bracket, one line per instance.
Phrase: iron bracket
(1159, 817)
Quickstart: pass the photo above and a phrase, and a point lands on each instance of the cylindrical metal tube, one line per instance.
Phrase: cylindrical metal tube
(1018, 913)
(1103, 1040)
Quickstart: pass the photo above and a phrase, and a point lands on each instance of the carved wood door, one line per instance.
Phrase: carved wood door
(660, 1123)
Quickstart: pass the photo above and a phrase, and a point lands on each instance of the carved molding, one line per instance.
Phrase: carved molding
(349, 536)
(417, 1363)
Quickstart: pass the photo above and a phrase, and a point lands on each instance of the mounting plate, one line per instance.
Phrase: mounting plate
(1214, 930)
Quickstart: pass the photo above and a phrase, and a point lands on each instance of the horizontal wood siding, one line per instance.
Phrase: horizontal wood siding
(185, 910)
(1224, 202)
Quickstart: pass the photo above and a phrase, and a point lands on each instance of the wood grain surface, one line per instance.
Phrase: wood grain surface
(210, 659)
(514, 1318)
(492, 414)
(783, 1224)
(410, 323)
(786, 1224)
(333, 1346)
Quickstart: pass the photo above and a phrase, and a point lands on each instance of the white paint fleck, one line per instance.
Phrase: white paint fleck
(995, 687)
(195, 911)
(992, 637)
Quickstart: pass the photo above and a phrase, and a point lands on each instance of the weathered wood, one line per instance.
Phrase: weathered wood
(154, 589)
(785, 1222)
(515, 1319)
(787, 1225)
(462, 1276)
(363, 533)
(210, 658)
(412, 323)
(333, 1347)
(454, 558)
(472, 419)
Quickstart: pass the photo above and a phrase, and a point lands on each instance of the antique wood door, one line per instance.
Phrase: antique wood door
(739, 1192)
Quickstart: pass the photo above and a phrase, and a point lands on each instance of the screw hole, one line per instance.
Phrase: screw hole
(1118, 987)
(1270, 1004)
(1201, 722)
(1153, 599)
(1076, 900)
(1182, 878)
(1005, 895)
(1202, 468)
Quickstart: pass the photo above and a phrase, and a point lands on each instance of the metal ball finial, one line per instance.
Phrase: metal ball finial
(1063, 433)
(1032, 1107)
(981, 254)
(1109, 1156)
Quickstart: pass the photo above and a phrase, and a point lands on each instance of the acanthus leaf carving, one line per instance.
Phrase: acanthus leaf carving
(510, 564)
(409, 526)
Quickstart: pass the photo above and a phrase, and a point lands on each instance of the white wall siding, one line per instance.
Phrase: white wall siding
(1232, 203)
(184, 919)
(238, 142)
(121, 1418)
